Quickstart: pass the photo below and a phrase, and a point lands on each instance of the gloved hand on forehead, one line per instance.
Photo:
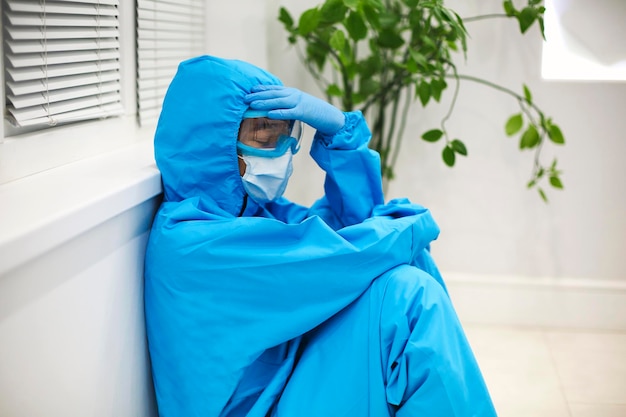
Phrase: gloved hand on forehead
(286, 103)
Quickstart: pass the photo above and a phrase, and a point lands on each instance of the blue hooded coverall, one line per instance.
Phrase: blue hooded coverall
(336, 310)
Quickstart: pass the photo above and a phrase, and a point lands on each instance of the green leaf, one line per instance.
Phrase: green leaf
(388, 20)
(423, 91)
(448, 156)
(514, 124)
(555, 134)
(432, 135)
(309, 21)
(388, 172)
(556, 182)
(553, 166)
(333, 11)
(436, 87)
(429, 42)
(526, 18)
(419, 58)
(375, 4)
(368, 86)
(338, 40)
(371, 14)
(509, 8)
(448, 16)
(527, 94)
(356, 26)
(530, 138)
(531, 183)
(540, 173)
(353, 4)
(285, 18)
(542, 195)
(317, 53)
(390, 39)
(333, 90)
(411, 66)
(459, 147)
(542, 28)
(371, 66)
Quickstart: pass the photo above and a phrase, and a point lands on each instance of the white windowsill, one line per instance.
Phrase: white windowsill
(42, 211)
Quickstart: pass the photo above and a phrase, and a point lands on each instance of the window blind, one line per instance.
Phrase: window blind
(61, 61)
(168, 32)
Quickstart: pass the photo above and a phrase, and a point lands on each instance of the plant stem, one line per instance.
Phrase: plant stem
(496, 86)
(485, 17)
(457, 87)
(405, 111)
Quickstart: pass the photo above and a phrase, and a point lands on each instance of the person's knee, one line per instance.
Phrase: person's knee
(407, 282)
(409, 297)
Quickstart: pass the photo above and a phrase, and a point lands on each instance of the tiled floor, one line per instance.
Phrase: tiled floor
(534, 372)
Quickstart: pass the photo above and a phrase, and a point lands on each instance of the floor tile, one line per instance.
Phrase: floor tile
(519, 371)
(598, 410)
(591, 366)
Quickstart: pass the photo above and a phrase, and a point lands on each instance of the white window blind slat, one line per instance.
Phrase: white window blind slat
(168, 32)
(169, 44)
(39, 72)
(30, 33)
(168, 55)
(160, 75)
(149, 34)
(100, 111)
(109, 2)
(62, 61)
(56, 83)
(62, 20)
(60, 7)
(53, 58)
(167, 26)
(165, 17)
(27, 47)
(153, 62)
(55, 96)
(152, 7)
(55, 109)
(155, 93)
(152, 4)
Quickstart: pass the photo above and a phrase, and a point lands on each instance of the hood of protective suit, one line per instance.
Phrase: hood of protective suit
(196, 137)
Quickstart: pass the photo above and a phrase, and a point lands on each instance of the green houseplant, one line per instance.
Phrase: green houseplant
(380, 56)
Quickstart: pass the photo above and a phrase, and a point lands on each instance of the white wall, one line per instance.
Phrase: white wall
(72, 242)
(72, 338)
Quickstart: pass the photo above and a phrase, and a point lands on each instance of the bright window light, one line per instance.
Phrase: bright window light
(585, 40)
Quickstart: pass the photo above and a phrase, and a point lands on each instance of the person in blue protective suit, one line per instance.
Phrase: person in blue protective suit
(257, 306)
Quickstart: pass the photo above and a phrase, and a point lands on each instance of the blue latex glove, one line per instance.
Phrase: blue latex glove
(285, 103)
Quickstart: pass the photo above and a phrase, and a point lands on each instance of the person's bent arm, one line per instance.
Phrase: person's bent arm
(353, 185)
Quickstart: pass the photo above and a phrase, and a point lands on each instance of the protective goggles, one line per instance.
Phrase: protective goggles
(265, 137)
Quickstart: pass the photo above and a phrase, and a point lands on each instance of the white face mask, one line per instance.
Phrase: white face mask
(265, 178)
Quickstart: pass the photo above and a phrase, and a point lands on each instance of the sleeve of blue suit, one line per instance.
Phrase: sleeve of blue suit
(353, 185)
